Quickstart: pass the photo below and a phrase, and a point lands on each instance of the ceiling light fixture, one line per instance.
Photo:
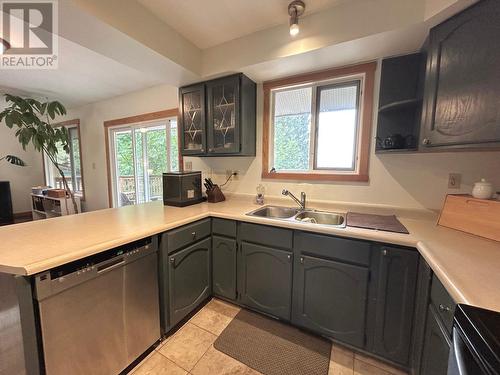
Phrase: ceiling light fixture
(295, 9)
(5, 45)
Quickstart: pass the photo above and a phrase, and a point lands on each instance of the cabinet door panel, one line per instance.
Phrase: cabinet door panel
(189, 275)
(463, 81)
(223, 125)
(395, 303)
(192, 120)
(224, 266)
(436, 347)
(330, 298)
(265, 279)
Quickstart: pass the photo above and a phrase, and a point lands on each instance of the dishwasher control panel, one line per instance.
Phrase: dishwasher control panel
(68, 275)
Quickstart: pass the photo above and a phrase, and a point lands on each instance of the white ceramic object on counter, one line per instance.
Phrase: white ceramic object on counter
(483, 189)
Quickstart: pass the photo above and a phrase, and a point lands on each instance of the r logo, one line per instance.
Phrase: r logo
(28, 27)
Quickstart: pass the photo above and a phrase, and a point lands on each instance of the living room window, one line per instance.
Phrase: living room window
(317, 126)
(71, 163)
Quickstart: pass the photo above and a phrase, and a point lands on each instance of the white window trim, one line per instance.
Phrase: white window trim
(361, 77)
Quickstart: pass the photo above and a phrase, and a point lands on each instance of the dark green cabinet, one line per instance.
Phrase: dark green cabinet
(436, 347)
(462, 85)
(189, 279)
(395, 302)
(218, 117)
(224, 266)
(192, 126)
(265, 279)
(331, 298)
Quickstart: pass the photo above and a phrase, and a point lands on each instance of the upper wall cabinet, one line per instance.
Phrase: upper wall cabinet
(462, 85)
(399, 103)
(192, 118)
(218, 117)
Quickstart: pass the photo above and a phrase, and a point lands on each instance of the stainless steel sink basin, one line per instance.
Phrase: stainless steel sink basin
(304, 216)
(320, 217)
(275, 212)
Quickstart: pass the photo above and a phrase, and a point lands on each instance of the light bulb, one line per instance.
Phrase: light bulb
(294, 29)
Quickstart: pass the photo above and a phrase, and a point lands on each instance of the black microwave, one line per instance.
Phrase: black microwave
(182, 188)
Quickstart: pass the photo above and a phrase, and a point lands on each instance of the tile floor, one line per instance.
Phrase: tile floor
(190, 351)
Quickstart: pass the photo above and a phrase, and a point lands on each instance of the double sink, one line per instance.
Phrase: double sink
(307, 216)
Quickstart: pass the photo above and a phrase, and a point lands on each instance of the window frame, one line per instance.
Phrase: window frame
(135, 121)
(365, 73)
(73, 124)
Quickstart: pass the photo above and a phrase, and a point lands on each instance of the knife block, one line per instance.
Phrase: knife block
(215, 195)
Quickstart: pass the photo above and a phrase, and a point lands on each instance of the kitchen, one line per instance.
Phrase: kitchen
(208, 258)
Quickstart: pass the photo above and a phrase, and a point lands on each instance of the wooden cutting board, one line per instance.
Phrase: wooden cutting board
(476, 216)
(388, 223)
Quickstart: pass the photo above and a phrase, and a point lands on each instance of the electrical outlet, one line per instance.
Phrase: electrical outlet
(454, 180)
(235, 174)
(188, 166)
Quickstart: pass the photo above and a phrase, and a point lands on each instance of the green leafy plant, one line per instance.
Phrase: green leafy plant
(32, 121)
(13, 160)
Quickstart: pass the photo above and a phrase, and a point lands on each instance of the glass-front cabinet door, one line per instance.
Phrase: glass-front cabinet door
(223, 125)
(192, 126)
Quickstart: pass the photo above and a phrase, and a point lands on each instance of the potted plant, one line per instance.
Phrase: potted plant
(32, 121)
(13, 160)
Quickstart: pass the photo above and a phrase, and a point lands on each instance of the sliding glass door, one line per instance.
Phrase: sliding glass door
(139, 155)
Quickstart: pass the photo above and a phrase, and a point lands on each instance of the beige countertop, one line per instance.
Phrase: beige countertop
(468, 266)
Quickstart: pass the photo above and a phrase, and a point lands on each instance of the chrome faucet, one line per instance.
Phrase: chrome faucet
(301, 202)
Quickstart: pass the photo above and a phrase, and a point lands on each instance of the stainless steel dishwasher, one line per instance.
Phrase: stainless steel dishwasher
(98, 314)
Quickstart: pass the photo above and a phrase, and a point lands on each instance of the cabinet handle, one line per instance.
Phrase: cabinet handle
(210, 149)
(302, 260)
(444, 308)
(384, 252)
(172, 260)
(289, 257)
(426, 141)
(194, 235)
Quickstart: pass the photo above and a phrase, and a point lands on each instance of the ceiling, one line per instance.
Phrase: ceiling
(209, 23)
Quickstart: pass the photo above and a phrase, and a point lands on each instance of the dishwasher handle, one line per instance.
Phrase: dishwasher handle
(110, 265)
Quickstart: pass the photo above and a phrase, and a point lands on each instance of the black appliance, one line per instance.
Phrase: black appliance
(182, 188)
(476, 342)
(6, 214)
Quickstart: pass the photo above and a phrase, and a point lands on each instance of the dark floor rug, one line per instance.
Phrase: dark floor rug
(272, 347)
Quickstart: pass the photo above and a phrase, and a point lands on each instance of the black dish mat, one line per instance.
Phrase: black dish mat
(388, 223)
(272, 347)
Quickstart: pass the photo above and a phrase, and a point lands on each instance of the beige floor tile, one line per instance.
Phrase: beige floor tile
(215, 362)
(363, 368)
(187, 346)
(374, 362)
(215, 316)
(341, 361)
(156, 364)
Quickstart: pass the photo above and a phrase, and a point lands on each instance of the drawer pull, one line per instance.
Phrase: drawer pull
(384, 252)
(302, 260)
(444, 308)
(194, 235)
(172, 260)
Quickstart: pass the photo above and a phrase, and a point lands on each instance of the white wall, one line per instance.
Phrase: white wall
(92, 132)
(407, 180)
(21, 178)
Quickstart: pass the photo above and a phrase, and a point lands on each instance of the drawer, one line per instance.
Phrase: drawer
(266, 235)
(335, 248)
(188, 234)
(224, 227)
(442, 302)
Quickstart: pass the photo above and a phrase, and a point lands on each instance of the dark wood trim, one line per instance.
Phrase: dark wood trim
(174, 112)
(368, 70)
(74, 122)
(22, 215)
